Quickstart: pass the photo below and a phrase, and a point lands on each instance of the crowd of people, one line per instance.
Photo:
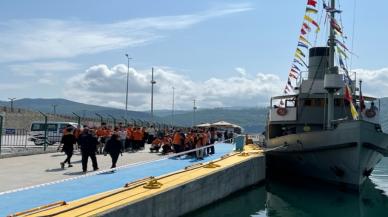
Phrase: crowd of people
(114, 141)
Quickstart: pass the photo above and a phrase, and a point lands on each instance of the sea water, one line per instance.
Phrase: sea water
(277, 198)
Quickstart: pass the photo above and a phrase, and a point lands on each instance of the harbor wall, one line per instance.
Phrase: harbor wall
(197, 193)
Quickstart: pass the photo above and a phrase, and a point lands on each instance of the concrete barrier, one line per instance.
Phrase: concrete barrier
(197, 193)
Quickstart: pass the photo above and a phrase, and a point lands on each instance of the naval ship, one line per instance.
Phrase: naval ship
(315, 132)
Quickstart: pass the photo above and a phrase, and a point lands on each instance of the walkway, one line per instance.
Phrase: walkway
(83, 186)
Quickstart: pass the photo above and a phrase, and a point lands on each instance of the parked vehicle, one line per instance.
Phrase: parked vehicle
(54, 132)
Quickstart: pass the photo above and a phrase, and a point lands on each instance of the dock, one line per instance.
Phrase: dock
(163, 187)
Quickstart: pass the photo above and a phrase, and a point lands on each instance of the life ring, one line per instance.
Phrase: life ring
(370, 113)
(281, 111)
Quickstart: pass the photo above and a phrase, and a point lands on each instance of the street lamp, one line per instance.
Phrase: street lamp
(194, 108)
(153, 82)
(11, 99)
(126, 93)
(54, 108)
(173, 107)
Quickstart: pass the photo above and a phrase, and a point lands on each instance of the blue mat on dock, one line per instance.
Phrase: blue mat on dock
(89, 185)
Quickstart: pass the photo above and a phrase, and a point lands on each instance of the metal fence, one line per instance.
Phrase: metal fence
(14, 137)
(16, 132)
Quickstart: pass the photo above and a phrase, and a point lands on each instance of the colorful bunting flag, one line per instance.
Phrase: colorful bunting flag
(295, 67)
(301, 44)
(362, 100)
(341, 52)
(309, 19)
(335, 25)
(303, 39)
(297, 61)
(342, 65)
(301, 59)
(349, 98)
(294, 71)
(312, 2)
(342, 44)
(292, 76)
(324, 5)
(311, 10)
(303, 32)
(341, 62)
(306, 27)
(300, 52)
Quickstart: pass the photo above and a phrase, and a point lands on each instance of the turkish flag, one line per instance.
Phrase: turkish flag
(312, 2)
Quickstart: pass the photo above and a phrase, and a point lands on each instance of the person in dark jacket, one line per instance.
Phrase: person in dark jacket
(88, 144)
(113, 147)
(68, 140)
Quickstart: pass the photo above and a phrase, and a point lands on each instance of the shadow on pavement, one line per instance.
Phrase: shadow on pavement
(74, 173)
(58, 155)
(55, 170)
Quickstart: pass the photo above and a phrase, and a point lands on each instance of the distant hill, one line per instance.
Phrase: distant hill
(165, 112)
(67, 107)
(251, 119)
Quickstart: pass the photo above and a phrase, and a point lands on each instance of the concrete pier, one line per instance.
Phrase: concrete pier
(182, 185)
(197, 193)
(175, 194)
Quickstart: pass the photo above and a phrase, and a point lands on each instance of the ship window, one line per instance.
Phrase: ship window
(307, 102)
(318, 102)
(338, 102)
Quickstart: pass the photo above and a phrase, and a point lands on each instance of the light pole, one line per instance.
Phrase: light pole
(194, 108)
(54, 108)
(153, 82)
(173, 107)
(126, 92)
(11, 99)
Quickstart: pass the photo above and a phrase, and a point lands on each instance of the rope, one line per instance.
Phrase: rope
(353, 33)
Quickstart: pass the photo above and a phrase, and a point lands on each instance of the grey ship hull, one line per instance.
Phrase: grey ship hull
(346, 154)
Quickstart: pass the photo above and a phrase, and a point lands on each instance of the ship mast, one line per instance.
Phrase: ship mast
(332, 72)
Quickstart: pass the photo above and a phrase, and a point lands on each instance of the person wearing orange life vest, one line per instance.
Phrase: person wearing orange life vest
(137, 138)
(156, 144)
(102, 134)
(177, 141)
(166, 145)
(129, 140)
(143, 137)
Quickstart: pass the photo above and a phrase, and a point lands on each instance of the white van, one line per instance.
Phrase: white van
(54, 131)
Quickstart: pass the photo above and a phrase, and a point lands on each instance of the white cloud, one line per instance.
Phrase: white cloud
(36, 39)
(241, 71)
(45, 81)
(375, 82)
(102, 85)
(7, 87)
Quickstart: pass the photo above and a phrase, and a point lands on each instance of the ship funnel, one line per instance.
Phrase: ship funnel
(318, 62)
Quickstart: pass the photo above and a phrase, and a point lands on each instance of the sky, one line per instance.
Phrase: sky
(221, 53)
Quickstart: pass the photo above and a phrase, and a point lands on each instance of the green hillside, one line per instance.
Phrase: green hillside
(251, 119)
